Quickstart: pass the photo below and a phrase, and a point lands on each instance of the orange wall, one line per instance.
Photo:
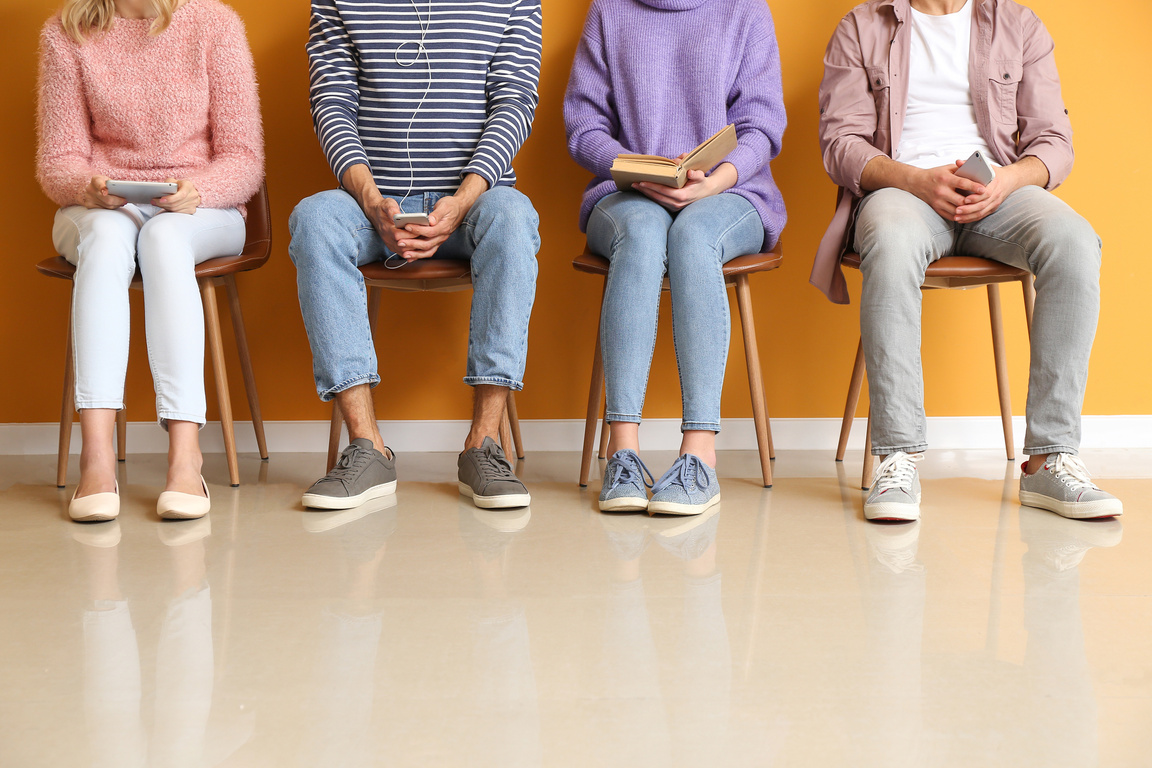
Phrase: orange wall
(807, 344)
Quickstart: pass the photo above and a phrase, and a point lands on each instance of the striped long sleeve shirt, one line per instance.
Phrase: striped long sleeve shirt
(424, 91)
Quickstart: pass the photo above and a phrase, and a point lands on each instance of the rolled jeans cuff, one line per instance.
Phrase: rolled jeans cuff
(883, 450)
(112, 405)
(700, 426)
(166, 416)
(627, 417)
(1044, 450)
(370, 379)
(495, 381)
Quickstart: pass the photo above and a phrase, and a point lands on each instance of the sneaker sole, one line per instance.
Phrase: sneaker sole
(1083, 510)
(624, 504)
(675, 508)
(504, 501)
(890, 511)
(319, 501)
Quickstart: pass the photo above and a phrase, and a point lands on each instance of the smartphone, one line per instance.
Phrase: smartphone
(410, 218)
(977, 168)
(140, 191)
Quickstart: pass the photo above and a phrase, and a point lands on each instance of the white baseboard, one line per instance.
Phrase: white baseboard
(955, 433)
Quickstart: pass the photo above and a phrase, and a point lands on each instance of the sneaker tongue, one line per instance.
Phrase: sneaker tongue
(363, 442)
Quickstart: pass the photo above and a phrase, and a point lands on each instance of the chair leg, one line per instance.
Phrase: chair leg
(853, 400)
(605, 433)
(246, 363)
(122, 434)
(216, 347)
(334, 436)
(67, 410)
(996, 316)
(595, 388)
(755, 380)
(869, 459)
(1029, 287)
(514, 424)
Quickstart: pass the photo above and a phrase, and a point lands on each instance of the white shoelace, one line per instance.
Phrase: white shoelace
(897, 471)
(1071, 471)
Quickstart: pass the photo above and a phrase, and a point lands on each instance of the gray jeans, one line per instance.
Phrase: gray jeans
(898, 236)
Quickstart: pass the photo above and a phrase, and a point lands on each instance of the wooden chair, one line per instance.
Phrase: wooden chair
(736, 273)
(209, 274)
(950, 272)
(441, 276)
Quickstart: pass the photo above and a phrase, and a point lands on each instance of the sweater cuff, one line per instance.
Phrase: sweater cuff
(745, 161)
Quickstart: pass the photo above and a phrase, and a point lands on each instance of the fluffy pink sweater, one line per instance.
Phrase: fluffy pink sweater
(131, 106)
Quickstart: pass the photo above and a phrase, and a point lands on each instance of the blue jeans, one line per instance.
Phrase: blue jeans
(898, 236)
(331, 238)
(643, 241)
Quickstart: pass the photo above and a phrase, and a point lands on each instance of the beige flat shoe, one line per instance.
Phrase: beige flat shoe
(95, 508)
(174, 505)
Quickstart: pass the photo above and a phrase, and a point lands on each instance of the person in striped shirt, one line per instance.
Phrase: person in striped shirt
(420, 107)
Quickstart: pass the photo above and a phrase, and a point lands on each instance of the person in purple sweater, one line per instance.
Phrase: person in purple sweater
(722, 65)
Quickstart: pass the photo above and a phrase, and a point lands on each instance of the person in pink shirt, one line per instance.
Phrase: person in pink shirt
(911, 89)
(145, 90)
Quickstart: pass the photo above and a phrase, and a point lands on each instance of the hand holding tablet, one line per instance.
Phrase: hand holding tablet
(141, 192)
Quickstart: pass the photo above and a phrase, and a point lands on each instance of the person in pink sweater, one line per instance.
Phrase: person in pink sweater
(145, 90)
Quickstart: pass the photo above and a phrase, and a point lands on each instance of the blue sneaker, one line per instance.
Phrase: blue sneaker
(689, 487)
(625, 485)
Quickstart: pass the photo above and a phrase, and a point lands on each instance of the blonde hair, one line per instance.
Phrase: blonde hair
(83, 18)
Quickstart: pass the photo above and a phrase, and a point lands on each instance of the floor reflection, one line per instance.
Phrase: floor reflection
(668, 706)
(118, 735)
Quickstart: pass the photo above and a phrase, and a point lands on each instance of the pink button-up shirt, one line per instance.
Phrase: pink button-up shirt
(864, 94)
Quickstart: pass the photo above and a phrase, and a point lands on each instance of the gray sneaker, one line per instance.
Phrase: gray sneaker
(689, 487)
(1064, 486)
(362, 473)
(895, 489)
(486, 476)
(626, 483)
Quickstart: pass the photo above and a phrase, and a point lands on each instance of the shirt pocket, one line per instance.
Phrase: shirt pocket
(881, 86)
(1004, 82)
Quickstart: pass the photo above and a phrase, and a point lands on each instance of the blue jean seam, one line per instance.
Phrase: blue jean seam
(727, 328)
(885, 450)
(656, 326)
(1045, 450)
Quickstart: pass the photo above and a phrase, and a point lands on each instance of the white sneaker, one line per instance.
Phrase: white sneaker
(1064, 486)
(895, 489)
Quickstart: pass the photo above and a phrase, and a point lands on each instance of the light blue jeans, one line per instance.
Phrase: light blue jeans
(331, 238)
(106, 246)
(898, 236)
(643, 241)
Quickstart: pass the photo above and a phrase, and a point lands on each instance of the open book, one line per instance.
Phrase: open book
(628, 169)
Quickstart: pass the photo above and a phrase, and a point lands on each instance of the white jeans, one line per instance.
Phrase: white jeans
(105, 246)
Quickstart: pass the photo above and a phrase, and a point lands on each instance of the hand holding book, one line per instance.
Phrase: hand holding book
(629, 169)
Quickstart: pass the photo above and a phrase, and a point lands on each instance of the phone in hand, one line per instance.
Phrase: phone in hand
(140, 192)
(977, 168)
(401, 219)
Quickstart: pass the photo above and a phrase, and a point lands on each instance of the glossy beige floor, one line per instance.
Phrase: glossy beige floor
(781, 631)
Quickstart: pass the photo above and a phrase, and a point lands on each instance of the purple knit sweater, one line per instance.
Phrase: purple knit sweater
(657, 77)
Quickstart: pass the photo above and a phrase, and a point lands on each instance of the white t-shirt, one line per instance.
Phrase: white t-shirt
(940, 122)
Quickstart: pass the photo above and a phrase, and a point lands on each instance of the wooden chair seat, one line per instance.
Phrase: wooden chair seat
(211, 273)
(949, 272)
(736, 273)
(434, 275)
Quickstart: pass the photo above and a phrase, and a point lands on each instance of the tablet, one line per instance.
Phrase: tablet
(140, 191)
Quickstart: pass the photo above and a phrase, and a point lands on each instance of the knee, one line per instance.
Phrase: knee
(507, 212)
(314, 225)
(161, 244)
(1070, 248)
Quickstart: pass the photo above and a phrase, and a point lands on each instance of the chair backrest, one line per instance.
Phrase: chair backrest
(259, 221)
